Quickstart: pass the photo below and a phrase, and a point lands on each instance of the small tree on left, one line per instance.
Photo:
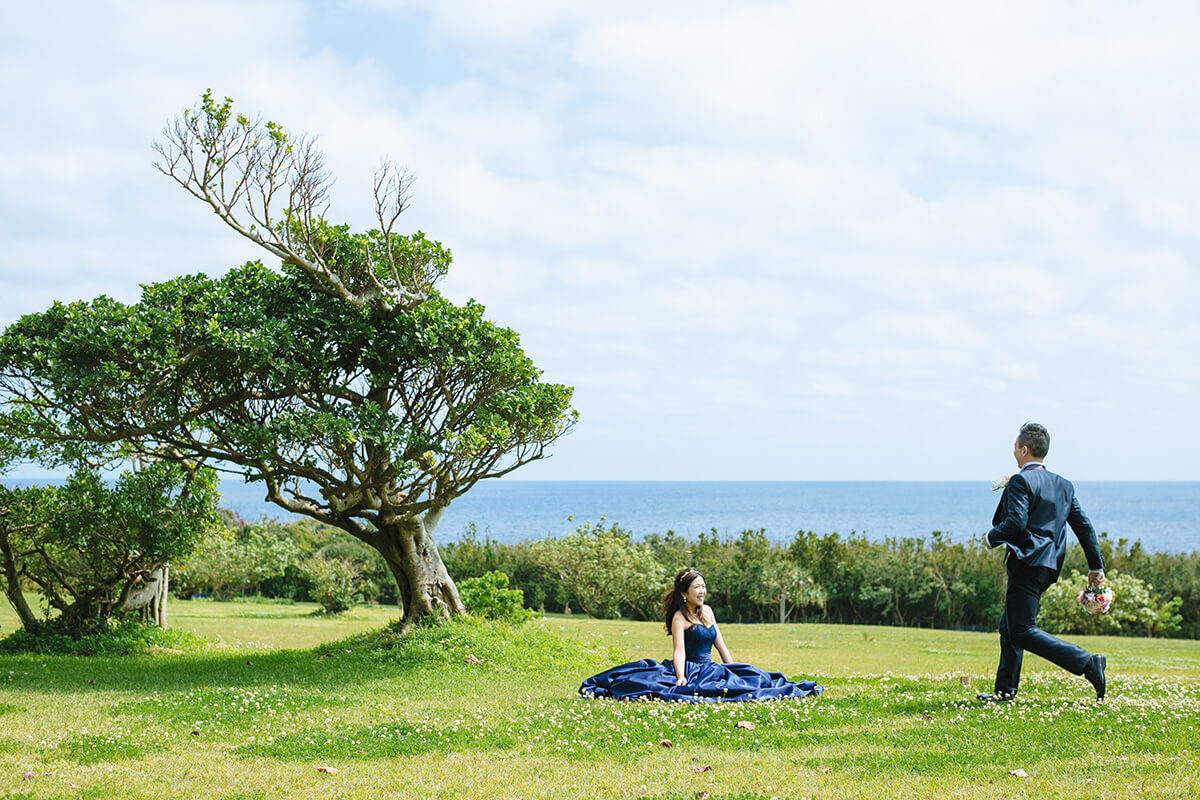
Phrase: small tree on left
(89, 548)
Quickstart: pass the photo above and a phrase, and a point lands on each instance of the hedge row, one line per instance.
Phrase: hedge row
(922, 582)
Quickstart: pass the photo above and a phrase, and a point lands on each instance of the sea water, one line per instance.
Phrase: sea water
(1164, 516)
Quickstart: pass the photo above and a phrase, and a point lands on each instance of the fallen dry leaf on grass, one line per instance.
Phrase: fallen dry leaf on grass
(701, 795)
(746, 724)
(471, 659)
(327, 770)
(26, 776)
(964, 680)
(825, 769)
(664, 743)
(698, 769)
(1018, 773)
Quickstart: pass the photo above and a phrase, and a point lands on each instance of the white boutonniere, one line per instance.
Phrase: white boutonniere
(1000, 484)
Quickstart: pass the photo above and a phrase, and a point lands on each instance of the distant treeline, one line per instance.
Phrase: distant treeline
(603, 571)
(920, 582)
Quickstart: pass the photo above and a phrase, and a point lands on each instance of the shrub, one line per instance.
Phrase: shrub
(488, 596)
(605, 571)
(91, 544)
(1134, 609)
(472, 557)
(100, 636)
(335, 583)
(377, 583)
(228, 564)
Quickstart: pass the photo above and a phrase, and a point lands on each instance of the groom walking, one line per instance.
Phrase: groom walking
(1031, 523)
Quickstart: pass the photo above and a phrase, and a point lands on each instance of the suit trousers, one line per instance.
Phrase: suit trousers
(1019, 630)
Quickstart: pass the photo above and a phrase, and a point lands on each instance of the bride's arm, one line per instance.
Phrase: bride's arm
(679, 654)
(720, 642)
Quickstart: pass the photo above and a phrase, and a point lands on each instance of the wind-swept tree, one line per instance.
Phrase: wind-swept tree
(345, 383)
(89, 547)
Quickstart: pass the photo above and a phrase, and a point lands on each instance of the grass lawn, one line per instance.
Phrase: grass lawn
(473, 710)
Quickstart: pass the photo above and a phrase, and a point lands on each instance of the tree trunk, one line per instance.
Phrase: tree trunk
(782, 608)
(145, 595)
(12, 586)
(426, 588)
(160, 605)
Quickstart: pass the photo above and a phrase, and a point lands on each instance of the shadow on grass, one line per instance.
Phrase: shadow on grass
(453, 648)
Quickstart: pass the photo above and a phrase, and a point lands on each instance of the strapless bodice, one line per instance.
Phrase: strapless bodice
(697, 643)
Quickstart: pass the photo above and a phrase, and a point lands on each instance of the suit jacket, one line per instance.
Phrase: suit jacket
(1032, 518)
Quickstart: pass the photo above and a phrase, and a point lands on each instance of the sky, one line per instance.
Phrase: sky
(762, 240)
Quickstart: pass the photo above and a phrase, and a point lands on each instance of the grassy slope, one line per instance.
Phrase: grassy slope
(253, 719)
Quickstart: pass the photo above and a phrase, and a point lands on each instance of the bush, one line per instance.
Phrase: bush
(228, 564)
(377, 583)
(335, 583)
(927, 582)
(488, 596)
(1171, 574)
(605, 571)
(1133, 610)
(472, 557)
(103, 636)
(91, 544)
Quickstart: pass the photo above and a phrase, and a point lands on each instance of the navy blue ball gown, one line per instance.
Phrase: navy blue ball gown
(707, 681)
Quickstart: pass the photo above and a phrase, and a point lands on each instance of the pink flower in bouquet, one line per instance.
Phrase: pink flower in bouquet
(1096, 599)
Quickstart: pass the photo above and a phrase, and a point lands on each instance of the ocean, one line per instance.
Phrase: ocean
(1165, 516)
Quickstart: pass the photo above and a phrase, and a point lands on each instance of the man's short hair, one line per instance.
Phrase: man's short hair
(1036, 438)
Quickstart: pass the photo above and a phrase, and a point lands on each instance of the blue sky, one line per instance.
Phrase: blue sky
(763, 240)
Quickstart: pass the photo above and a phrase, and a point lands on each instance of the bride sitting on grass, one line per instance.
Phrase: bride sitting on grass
(690, 674)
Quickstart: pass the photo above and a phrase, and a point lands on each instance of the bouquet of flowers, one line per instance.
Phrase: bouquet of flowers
(1000, 484)
(1096, 599)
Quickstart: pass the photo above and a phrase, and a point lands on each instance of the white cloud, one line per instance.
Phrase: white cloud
(853, 241)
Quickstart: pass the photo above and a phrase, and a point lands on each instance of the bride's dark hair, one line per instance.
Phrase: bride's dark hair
(673, 599)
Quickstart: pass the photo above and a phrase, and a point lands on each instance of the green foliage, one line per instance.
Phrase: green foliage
(605, 571)
(471, 557)
(488, 596)
(376, 584)
(906, 581)
(780, 584)
(1134, 609)
(1171, 574)
(929, 582)
(228, 565)
(388, 415)
(335, 583)
(104, 636)
(268, 559)
(274, 358)
(83, 545)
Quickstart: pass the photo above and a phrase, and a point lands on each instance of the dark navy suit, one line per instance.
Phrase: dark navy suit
(1031, 523)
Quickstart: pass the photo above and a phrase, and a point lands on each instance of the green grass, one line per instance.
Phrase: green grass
(469, 710)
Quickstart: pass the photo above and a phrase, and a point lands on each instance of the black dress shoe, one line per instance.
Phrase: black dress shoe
(1094, 672)
(996, 697)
